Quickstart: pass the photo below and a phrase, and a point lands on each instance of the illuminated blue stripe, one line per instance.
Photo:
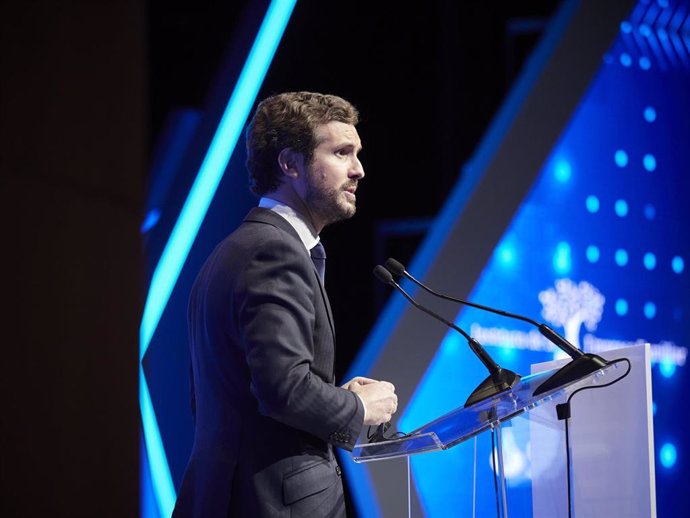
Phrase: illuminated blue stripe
(187, 226)
(148, 507)
(163, 487)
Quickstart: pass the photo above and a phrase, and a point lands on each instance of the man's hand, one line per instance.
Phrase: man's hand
(380, 401)
(361, 380)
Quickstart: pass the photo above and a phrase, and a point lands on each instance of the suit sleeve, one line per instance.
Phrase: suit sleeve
(276, 316)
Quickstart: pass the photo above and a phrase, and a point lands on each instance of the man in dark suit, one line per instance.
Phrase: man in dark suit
(262, 336)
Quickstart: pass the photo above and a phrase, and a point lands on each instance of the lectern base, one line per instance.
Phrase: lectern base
(493, 385)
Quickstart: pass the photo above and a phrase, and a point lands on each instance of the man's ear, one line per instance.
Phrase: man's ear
(290, 162)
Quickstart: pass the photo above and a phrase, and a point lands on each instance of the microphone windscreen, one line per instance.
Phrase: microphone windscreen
(382, 274)
(395, 267)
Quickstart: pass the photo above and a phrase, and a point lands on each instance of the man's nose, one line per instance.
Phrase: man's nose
(357, 170)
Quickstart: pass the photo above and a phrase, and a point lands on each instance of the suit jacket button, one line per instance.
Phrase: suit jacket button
(338, 471)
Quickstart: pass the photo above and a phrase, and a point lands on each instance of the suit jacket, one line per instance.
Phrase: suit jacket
(262, 342)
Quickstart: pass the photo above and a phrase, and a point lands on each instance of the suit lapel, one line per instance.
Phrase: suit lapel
(262, 215)
(327, 304)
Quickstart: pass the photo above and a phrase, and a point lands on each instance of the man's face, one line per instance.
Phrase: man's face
(333, 174)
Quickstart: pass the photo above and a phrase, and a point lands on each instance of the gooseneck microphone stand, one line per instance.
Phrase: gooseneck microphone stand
(581, 365)
(499, 379)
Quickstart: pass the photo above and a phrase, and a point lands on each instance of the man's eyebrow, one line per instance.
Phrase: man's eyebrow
(350, 143)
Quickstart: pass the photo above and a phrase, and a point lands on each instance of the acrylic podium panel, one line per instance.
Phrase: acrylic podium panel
(612, 448)
(526, 430)
(468, 435)
(466, 422)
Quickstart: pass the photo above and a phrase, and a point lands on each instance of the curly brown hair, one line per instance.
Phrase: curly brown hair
(288, 120)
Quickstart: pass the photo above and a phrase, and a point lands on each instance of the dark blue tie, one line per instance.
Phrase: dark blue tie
(318, 256)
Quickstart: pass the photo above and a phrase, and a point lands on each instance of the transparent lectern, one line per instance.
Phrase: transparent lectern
(524, 398)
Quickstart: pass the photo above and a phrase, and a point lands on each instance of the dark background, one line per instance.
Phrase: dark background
(85, 89)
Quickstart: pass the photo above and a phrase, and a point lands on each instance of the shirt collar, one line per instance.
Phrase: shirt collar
(303, 228)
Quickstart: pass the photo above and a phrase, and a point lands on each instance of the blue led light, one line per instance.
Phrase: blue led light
(667, 368)
(621, 307)
(191, 216)
(649, 211)
(592, 203)
(649, 162)
(562, 261)
(150, 221)
(649, 261)
(645, 63)
(645, 30)
(677, 264)
(626, 60)
(506, 255)
(621, 158)
(649, 114)
(653, 407)
(626, 27)
(650, 310)
(593, 254)
(562, 171)
(668, 455)
(621, 257)
(621, 208)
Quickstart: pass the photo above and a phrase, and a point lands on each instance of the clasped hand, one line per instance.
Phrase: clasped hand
(380, 401)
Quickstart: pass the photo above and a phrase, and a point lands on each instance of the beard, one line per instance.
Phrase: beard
(330, 204)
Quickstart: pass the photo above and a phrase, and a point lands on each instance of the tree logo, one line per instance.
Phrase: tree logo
(570, 305)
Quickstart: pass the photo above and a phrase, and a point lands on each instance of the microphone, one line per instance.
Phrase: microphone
(582, 364)
(499, 379)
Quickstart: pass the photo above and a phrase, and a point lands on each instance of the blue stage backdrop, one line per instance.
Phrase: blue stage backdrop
(584, 225)
(598, 248)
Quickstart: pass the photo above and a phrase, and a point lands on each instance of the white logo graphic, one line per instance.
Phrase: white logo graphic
(570, 305)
